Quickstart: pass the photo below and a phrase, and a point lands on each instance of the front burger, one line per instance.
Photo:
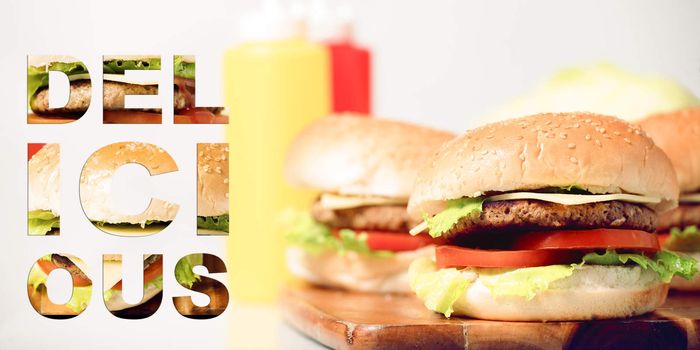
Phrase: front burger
(356, 234)
(678, 134)
(547, 217)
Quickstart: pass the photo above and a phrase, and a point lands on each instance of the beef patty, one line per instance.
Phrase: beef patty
(66, 263)
(113, 98)
(526, 214)
(684, 215)
(371, 217)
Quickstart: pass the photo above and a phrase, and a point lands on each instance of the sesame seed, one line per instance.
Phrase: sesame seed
(597, 142)
(571, 146)
(489, 136)
(627, 140)
(576, 125)
(588, 137)
(562, 135)
(616, 133)
(588, 120)
(484, 152)
(573, 160)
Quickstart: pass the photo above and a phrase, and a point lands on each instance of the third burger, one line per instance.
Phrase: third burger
(356, 235)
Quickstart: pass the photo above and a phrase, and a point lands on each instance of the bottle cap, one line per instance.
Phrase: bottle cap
(329, 21)
(272, 22)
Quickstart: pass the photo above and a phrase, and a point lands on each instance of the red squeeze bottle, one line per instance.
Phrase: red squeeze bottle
(351, 77)
(330, 22)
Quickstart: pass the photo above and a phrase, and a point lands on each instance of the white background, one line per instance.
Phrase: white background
(441, 63)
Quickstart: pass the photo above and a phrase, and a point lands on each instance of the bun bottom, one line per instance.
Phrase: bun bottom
(680, 283)
(591, 292)
(356, 272)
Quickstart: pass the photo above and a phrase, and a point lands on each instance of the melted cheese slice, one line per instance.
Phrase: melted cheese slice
(561, 198)
(334, 201)
(575, 199)
(690, 198)
(122, 78)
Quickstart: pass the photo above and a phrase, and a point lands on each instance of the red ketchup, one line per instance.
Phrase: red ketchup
(351, 78)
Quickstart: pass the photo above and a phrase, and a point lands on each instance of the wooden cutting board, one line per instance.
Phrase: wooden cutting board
(346, 320)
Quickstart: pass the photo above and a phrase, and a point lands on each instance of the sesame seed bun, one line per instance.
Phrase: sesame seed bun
(591, 292)
(212, 179)
(678, 134)
(96, 182)
(44, 180)
(356, 272)
(357, 155)
(598, 153)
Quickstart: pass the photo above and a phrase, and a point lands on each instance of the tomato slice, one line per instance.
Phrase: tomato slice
(453, 256)
(662, 237)
(152, 272)
(589, 239)
(48, 266)
(32, 148)
(396, 241)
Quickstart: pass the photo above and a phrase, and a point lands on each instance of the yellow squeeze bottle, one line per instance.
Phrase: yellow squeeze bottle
(275, 83)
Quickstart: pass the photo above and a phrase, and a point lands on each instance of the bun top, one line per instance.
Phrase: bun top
(598, 153)
(96, 182)
(212, 179)
(359, 155)
(44, 179)
(678, 134)
(43, 60)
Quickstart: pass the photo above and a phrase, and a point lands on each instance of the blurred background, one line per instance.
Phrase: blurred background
(450, 64)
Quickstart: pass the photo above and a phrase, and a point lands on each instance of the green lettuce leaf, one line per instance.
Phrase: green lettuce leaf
(686, 240)
(667, 264)
(80, 298)
(38, 77)
(216, 223)
(456, 209)
(315, 237)
(525, 282)
(183, 270)
(439, 289)
(41, 222)
(120, 66)
(183, 69)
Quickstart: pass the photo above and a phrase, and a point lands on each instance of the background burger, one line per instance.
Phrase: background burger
(43, 199)
(678, 134)
(547, 217)
(212, 188)
(356, 234)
